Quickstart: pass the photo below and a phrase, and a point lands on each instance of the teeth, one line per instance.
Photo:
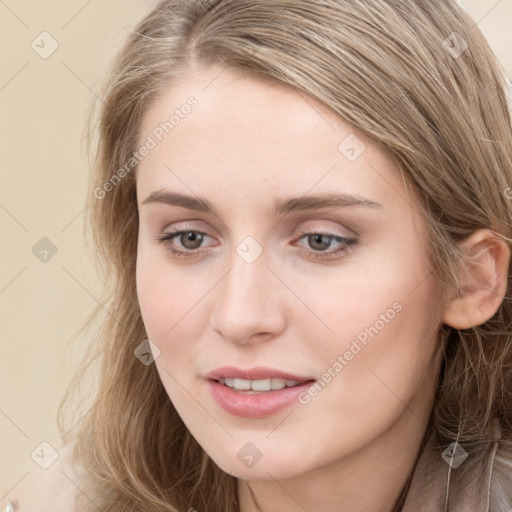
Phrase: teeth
(278, 383)
(241, 384)
(261, 385)
(258, 385)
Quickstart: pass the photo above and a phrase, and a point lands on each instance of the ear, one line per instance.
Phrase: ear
(483, 284)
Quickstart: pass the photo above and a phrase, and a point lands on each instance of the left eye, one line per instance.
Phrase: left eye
(191, 241)
(320, 241)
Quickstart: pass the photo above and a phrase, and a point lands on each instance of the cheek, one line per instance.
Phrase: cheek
(171, 308)
(355, 301)
(397, 350)
(166, 322)
(381, 361)
(152, 301)
(382, 323)
(158, 286)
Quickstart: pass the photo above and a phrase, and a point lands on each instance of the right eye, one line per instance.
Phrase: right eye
(189, 239)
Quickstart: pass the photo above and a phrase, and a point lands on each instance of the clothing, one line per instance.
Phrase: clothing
(485, 487)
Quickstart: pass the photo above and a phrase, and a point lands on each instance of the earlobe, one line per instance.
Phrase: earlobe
(483, 283)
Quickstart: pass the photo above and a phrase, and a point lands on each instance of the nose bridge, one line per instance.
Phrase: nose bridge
(245, 304)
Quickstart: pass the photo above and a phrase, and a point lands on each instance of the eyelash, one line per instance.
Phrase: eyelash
(349, 244)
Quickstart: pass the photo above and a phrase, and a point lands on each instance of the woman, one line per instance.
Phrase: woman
(302, 210)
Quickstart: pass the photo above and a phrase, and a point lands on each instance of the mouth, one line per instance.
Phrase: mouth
(257, 392)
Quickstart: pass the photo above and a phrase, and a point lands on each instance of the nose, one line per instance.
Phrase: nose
(249, 303)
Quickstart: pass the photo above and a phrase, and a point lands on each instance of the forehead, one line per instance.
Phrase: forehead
(254, 137)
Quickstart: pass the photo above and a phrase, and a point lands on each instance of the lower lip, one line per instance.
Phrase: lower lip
(257, 405)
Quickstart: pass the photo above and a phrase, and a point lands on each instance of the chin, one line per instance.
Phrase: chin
(273, 466)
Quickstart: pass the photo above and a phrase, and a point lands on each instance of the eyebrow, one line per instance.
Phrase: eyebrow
(281, 206)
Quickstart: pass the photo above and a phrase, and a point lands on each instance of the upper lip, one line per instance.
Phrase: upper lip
(256, 373)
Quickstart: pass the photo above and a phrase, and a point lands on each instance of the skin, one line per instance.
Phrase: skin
(247, 143)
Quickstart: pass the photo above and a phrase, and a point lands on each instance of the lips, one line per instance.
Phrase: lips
(255, 401)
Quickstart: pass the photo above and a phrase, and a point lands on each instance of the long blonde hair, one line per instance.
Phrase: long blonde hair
(400, 72)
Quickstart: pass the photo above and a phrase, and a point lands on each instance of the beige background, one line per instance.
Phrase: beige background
(42, 193)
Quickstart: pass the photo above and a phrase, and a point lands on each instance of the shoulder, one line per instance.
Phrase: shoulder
(54, 488)
(483, 484)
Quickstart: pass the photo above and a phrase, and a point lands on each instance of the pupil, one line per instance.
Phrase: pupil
(193, 237)
(317, 238)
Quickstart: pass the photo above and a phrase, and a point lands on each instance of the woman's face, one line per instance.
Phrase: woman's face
(290, 279)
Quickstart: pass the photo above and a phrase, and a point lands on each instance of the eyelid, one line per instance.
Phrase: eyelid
(305, 230)
(303, 223)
